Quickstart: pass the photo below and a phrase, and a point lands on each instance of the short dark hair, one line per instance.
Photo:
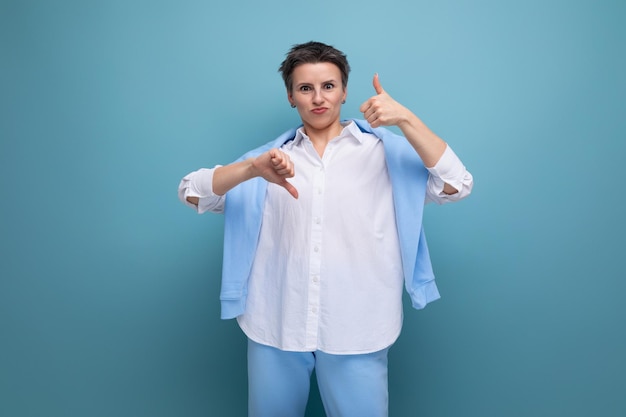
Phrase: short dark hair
(313, 53)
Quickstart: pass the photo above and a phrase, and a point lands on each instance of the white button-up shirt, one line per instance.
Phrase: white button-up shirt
(327, 273)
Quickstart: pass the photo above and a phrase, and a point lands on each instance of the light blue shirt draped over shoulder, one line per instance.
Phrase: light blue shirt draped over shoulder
(243, 215)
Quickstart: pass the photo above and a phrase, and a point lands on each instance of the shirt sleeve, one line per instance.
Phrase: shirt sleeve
(449, 169)
(200, 184)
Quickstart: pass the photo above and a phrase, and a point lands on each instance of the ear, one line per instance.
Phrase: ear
(345, 93)
(290, 97)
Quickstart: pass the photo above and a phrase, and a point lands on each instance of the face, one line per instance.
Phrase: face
(318, 94)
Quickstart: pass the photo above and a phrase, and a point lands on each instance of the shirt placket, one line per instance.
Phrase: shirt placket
(315, 256)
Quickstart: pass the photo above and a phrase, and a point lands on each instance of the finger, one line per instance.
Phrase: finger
(286, 171)
(369, 113)
(377, 86)
(283, 165)
(281, 162)
(275, 157)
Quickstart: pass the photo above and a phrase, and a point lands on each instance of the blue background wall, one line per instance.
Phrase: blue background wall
(109, 286)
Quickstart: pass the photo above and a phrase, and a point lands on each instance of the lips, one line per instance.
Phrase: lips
(319, 110)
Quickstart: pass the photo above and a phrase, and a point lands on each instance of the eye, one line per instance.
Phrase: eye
(305, 88)
(329, 86)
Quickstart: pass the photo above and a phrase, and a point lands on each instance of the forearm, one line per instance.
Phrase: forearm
(229, 176)
(273, 166)
(426, 143)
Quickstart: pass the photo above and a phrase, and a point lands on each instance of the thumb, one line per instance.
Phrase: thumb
(377, 86)
(290, 188)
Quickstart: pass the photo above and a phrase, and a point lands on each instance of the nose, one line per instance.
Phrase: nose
(318, 97)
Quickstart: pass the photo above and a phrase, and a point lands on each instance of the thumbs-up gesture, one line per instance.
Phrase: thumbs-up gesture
(381, 109)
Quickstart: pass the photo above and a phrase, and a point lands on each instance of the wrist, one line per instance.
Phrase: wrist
(250, 169)
(409, 122)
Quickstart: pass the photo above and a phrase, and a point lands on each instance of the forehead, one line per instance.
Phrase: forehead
(320, 71)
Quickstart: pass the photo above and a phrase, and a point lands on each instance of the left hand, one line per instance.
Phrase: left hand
(381, 109)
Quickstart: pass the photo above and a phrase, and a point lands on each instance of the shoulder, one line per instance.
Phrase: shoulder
(274, 143)
(394, 143)
(387, 136)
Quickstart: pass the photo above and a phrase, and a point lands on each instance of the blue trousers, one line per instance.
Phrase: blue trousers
(349, 385)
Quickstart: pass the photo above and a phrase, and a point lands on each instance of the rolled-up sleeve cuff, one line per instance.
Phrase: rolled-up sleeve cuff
(449, 169)
(200, 184)
(424, 294)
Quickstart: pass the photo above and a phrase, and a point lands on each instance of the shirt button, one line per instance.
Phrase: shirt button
(316, 278)
(317, 220)
(316, 249)
(314, 309)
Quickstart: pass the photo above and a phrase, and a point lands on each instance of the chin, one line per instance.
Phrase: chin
(323, 122)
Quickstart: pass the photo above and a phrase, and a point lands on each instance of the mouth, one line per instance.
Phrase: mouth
(319, 110)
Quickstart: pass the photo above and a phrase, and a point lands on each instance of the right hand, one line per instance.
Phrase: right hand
(275, 166)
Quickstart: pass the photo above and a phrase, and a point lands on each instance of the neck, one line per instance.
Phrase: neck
(321, 137)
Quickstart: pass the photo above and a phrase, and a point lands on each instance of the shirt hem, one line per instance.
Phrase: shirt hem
(250, 335)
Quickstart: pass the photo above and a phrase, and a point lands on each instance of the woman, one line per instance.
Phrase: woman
(322, 232)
